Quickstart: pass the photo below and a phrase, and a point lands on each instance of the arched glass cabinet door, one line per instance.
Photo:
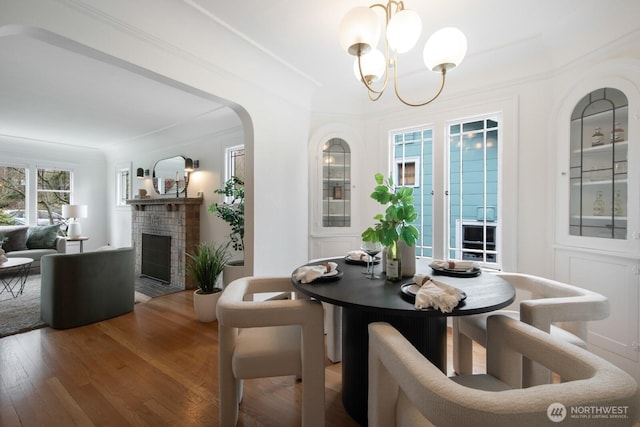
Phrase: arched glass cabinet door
(336, 183)
(599, 151)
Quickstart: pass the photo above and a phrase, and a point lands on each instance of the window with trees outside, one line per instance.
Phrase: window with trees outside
(41, 204)
(470, 211)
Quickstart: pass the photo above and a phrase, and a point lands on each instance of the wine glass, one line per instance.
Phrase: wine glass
(372, 249)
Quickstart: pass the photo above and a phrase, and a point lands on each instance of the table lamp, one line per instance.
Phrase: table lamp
(73, 212)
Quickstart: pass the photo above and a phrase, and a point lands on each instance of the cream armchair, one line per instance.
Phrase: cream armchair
(260, 339)
(554, 307)
(405, 389)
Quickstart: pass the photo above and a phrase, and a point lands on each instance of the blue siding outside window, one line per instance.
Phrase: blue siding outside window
(472, 187)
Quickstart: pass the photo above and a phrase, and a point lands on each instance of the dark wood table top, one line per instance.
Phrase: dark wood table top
(353, 289)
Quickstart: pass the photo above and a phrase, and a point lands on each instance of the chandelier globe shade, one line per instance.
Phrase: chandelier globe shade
(445, 49)
(360, 30)
(403, 31)
(373, 65)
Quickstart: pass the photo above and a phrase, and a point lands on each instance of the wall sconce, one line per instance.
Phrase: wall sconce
(141, 173)
(189, 166)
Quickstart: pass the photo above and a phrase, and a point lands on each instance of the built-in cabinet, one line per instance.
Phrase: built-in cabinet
(598, 214)
(334, 230)
(336, 184)
(598, 165)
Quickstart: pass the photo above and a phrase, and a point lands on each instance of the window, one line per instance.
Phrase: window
(471, 201)
(413, 167)
(407, 173)
(53, 191)
(39, 204)
(235, 162)
(473, 190)
(123, 185)
(13, 190)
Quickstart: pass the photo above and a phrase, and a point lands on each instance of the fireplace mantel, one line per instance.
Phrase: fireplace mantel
(177, 217)
(172, 203)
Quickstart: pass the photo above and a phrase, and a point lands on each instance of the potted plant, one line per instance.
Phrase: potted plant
(231, 210)
(395, 224)
(205, 265)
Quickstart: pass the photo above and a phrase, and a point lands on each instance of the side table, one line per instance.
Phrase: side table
(80, 239)
(13, 274)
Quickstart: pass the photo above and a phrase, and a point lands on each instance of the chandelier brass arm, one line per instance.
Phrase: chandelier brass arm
(360, 33)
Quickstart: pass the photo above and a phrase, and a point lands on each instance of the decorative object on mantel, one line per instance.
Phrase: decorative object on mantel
(205, 266)
(394, 225)
(231, 210)
(73, 212)
(360, 33)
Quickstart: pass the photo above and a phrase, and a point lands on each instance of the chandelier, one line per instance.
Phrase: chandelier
(360, 33)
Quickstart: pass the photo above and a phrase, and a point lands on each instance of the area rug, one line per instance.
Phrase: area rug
(22, 314)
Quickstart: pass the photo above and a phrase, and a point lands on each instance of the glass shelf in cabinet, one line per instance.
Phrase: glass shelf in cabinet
(608, 146)
(585, 182)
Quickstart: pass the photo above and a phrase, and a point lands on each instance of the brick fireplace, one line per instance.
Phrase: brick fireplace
(176, 218)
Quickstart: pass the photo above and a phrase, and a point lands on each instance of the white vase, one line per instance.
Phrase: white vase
(232, 271)
(408, 256)
(205, 305)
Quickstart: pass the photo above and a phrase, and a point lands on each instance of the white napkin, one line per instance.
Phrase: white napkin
(309, 273)
(454, 265)
(357, 255)
(435, 294)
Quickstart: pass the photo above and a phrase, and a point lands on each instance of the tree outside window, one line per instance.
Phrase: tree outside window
(12, 195)
(53, 189)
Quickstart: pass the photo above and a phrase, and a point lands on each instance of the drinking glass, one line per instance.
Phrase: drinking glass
(372, 249)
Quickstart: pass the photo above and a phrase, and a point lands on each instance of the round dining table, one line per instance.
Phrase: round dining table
(365, 300)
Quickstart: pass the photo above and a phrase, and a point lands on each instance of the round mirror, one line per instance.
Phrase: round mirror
(168, 175)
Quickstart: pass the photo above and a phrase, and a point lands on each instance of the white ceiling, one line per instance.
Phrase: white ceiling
(54, 94)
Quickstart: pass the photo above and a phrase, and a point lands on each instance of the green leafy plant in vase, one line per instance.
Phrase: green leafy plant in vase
(204, 266)
(231, 210)
(395, 224)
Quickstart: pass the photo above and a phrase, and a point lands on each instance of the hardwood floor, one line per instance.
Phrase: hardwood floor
(155, 366)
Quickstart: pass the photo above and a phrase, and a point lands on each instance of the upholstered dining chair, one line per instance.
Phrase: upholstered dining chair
(554, 307)
(406, 389)
(269, 338)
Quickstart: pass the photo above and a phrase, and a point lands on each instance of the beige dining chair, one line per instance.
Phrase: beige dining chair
(269, 338)
(406, 389)
(551, 306)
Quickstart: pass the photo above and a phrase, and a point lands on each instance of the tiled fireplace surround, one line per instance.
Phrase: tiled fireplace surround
(178, 218)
